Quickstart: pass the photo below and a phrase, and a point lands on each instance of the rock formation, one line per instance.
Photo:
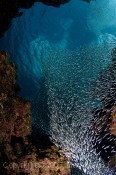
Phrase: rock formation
(105, 131)
(105, 114)
(18, 153)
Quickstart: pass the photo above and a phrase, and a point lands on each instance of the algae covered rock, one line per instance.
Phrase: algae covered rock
(18, 153)
(15, 119)
(105, 114)
(113, 123)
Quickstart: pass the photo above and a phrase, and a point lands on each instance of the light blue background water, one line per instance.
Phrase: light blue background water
(73, 25)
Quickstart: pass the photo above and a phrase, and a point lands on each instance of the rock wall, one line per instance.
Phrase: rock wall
(105, 114)
(19, 153)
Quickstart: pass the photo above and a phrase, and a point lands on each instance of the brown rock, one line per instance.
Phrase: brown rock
(18, 153)
(113, 123)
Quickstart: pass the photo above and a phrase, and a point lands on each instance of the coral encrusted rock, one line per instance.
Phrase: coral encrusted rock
(105, 114)
(113, 119)
(105, 131)
(15, 115)
(18, 152)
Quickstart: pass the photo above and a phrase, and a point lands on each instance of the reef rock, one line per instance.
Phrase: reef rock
(18, 153)
(105, 132)
(15, 113)
(105, 114)
(113, 119)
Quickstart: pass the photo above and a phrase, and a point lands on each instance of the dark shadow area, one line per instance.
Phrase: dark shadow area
(40, 140)
(76, 171)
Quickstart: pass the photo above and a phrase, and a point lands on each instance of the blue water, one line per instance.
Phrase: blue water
(59, 53)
